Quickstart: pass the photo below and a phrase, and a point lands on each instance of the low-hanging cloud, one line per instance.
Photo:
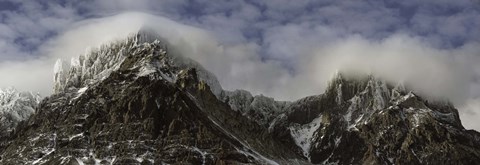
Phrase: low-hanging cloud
(436, 73)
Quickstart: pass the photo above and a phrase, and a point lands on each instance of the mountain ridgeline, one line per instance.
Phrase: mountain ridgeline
(138, 101)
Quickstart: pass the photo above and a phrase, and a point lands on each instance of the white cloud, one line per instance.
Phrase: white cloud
(35, 73)
(400, 58)
(470, 113)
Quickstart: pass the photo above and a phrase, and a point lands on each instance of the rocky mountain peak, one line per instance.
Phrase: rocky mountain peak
(344, 86)
(145, 52)
(364, 109)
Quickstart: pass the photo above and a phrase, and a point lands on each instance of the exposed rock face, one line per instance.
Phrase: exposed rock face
(138, 102)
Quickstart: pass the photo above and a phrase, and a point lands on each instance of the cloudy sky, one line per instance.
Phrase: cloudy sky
(280, 48)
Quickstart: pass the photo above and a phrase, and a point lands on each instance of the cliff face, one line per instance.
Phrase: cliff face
(138, 102)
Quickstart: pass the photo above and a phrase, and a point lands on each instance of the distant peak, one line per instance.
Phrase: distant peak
(345, 85)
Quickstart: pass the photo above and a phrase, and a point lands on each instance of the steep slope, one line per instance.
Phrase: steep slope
(138, 101)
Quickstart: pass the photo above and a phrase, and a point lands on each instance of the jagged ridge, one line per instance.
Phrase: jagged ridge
(98, 64)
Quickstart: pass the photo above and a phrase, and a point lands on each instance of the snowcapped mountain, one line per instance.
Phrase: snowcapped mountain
(138, 101)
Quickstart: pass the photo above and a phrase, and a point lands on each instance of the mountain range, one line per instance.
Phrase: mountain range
(139, 101)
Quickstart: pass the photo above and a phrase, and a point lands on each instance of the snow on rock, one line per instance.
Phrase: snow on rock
(239, 100)
(80, 92)
(97, 64)
(79, 161)
(258, 157)
(379, 92)
(304, 134)
(377, 96)
(91, 67)
(355, 103)
(339, 98)
(261, 109)
(404, 98)
(16, 106)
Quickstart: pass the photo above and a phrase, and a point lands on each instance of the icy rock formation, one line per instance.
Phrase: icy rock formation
(98, 64)
(15, 107)
(91, 67)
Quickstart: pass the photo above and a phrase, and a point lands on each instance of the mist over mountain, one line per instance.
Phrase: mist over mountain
(141, 101)
(239, 82)
(435, 73)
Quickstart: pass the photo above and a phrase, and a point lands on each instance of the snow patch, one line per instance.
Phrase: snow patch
(339, 98)
(354, 106)
(79, 161)
(146, 70)
(75, 136)
(304, 134)
(337, 141)
(82, 90)
(47, 152)
(16, 106)
(379, 92)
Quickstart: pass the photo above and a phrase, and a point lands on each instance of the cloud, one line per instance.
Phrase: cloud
(34, 72)
(436, 73)
(469, 113)
(277, 48)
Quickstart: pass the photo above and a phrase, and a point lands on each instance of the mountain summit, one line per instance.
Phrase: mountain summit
(138, 101)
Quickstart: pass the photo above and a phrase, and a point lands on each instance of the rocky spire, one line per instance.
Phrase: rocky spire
(97, 64)
(91, 66)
